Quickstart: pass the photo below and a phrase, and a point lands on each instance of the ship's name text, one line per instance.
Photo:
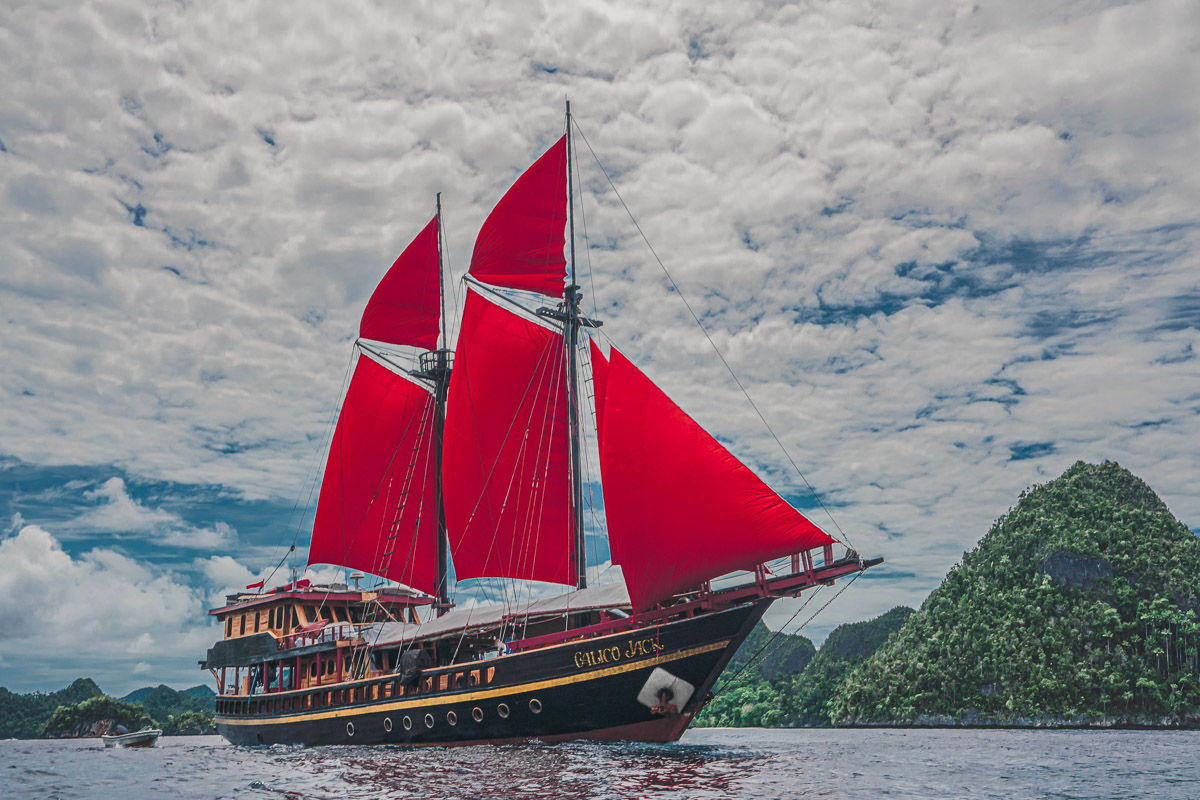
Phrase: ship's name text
(610, 655)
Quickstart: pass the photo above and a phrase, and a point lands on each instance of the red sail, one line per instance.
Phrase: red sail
(504, 464)
(406, 305)
(520, 245)
(681, 509)
(599, 381)
(378, 506)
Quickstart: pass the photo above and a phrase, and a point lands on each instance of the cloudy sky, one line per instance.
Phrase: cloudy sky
(949, 250)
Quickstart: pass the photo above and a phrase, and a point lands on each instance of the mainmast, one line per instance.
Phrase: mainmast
(568, 315)
(571, 335)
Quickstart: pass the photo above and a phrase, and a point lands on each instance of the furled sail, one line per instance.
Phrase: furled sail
(681, 508)
(504, 465)
(378, 505)
(520, 245)
(405, 307)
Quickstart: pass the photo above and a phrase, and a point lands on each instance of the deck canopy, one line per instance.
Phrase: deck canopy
(480, 618)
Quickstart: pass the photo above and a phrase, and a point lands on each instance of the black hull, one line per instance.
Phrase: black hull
(584, 690)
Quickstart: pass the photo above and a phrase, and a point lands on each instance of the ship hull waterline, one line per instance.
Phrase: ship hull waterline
(582, 691)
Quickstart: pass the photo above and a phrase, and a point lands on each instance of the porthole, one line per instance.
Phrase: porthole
(387, 724)
(477, 714)
(349, 728)
(451, 717)
(535, 706)
(429, 720)
(407, 723)
(502, 710)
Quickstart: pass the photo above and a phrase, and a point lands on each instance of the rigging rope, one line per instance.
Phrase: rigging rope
(754, 658)
(844, 540)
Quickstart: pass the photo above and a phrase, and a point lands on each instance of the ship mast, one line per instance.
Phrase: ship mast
(571, 334)
(439, 371)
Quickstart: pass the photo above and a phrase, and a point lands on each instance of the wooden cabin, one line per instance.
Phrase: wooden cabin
(303, 636)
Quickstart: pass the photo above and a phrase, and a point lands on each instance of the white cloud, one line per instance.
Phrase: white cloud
(107, 608)
(926, 235)
(120, 514)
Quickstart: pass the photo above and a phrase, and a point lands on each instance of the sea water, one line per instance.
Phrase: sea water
(714, 763)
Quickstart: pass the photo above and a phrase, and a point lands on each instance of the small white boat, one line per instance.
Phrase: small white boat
(146, 737)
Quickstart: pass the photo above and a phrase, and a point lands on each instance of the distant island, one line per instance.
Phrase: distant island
(83, 710)
(1079, 608)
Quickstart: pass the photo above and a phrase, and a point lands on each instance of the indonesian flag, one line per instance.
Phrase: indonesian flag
(258, 585)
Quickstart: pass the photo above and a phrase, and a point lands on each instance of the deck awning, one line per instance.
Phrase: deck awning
(480, 618)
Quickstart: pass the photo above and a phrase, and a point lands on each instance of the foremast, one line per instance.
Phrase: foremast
(435, 367)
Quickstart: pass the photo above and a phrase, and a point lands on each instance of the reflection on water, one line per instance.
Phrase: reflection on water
(539, 772)
(752, 764)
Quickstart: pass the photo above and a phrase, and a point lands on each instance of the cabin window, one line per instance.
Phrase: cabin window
(491, 672)
(312, 670)
(242, 632)
(339, 615)
(257, 615)
(473, 680)
(310, 612)
(327, 614)
(295, 618)
(228, 627)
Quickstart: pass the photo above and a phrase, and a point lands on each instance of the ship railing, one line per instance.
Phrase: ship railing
(806, 573)
(334, 632)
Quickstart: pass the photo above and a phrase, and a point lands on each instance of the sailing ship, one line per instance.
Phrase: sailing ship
(468, 464)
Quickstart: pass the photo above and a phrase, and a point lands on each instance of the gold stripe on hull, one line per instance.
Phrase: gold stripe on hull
(484, 694)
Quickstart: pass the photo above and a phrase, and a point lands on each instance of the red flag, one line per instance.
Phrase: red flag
(255, 585)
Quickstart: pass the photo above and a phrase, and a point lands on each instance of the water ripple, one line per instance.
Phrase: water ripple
(752, 764)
